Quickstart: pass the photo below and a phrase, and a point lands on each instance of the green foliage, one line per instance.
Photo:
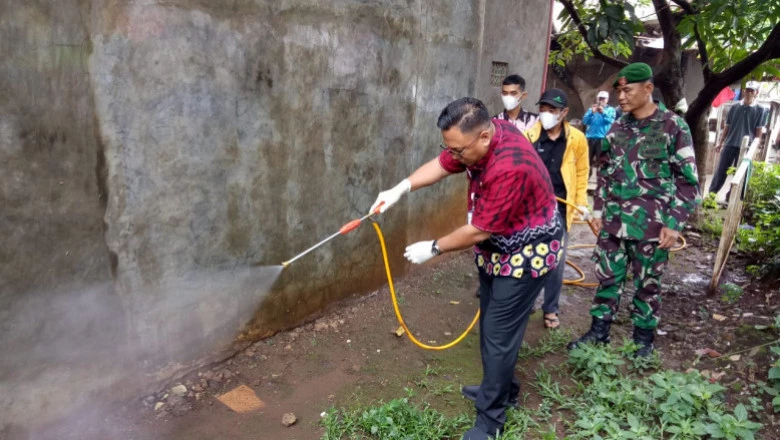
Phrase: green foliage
(731, 30)
(611, 27)
(774, 377)
(551, 342)
(731, 293)
(761, 242)
(397, 419)
(594, 361)
(774, 371)
(710, 201)
(711, 222)
(667, 404)
(606, 401)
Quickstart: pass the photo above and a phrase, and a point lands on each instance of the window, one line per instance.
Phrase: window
(498, 71)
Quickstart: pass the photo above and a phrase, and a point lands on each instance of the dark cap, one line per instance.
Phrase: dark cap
(555, 98)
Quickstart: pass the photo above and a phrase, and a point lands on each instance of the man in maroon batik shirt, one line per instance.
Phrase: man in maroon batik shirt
(515, 229)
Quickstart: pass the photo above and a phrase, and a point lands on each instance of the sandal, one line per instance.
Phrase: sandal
(552, 323)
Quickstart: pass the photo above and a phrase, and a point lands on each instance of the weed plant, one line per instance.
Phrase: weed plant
(610, 396)
(397, 419)
(549, 343)
(761, 241)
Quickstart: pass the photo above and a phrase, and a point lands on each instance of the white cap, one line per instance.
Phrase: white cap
(753, 85)
(603, 94)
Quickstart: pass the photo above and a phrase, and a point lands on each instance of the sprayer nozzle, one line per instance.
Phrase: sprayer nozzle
(285, 264)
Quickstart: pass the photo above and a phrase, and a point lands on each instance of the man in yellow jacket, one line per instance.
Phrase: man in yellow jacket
(564, 151)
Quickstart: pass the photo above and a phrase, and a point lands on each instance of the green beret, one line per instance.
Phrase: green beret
(633, 73)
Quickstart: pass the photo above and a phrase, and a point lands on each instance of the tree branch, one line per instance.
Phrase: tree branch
(768, 51)
(685, 6)
(690, 10)
(704, 57)
(669, 27)
(575, 17)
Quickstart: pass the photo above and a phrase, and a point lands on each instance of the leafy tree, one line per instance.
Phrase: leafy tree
(734, 38)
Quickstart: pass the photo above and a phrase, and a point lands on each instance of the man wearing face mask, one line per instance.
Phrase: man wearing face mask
(647, 189)
(599, 119)
(512, 95)
(514, 230)
(564, 151)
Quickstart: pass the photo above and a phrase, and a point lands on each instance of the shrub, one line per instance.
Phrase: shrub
(761, 241)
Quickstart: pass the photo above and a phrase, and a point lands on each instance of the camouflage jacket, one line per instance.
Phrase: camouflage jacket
(647, 176)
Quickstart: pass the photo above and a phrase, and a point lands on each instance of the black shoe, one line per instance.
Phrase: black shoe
(470, 392)
(644, 339)
(599, 332)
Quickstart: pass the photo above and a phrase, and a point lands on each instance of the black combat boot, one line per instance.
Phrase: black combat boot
(644, 339)
(599, 332)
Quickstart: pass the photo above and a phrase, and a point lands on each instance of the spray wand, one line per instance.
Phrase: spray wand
(347, 228)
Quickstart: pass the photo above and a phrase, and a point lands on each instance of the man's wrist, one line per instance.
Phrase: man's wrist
(435, 250)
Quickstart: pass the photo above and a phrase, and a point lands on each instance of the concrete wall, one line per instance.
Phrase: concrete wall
(514, 33)
(159, 158)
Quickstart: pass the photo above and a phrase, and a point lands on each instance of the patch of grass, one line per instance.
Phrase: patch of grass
(396, 419)
(551, 342)
(612, 396)
(731, 293)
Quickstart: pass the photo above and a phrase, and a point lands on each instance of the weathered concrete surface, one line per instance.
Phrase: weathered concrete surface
(155, 154)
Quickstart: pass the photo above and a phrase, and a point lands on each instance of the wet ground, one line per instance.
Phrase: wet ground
(351, 355)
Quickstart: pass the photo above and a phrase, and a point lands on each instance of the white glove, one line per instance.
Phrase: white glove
(584, 213)
(391, 196)
(420, 252)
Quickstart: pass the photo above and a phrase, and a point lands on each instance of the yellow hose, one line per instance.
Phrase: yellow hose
(398, 312)
(577, 282)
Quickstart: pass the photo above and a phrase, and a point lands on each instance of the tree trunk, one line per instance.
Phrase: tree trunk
(700, 133)
(697, 119)
(669, 78)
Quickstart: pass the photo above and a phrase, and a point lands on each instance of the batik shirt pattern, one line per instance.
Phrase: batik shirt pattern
(510, 196)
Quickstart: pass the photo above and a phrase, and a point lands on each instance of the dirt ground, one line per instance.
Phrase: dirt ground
(351, 356)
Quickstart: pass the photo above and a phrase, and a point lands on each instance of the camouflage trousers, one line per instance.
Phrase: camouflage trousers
(613, 256)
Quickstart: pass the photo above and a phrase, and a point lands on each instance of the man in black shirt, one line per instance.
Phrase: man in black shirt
(564, 151)
(745, 118)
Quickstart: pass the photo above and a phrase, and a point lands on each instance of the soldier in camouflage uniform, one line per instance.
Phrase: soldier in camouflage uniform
(647, 188)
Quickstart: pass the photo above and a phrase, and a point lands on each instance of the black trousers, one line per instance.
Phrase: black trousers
(505, 304)
(728, 158)
(594, 149)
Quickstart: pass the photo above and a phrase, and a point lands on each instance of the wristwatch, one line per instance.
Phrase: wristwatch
(435, 249)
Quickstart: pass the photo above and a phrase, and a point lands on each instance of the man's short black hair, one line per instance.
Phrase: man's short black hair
(514, 79)
(465, 113)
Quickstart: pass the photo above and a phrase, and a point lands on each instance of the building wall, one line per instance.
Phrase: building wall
(160, 159)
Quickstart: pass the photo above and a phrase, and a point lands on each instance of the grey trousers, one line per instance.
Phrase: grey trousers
(554, 282)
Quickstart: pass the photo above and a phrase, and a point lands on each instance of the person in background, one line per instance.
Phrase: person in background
(647, 188)
(564, 151)
(514, 229)
(745, 118)
(599, 119)
(512, 95)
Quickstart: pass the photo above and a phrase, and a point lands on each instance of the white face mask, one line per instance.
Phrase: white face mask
(548, 120)
(510, 102)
